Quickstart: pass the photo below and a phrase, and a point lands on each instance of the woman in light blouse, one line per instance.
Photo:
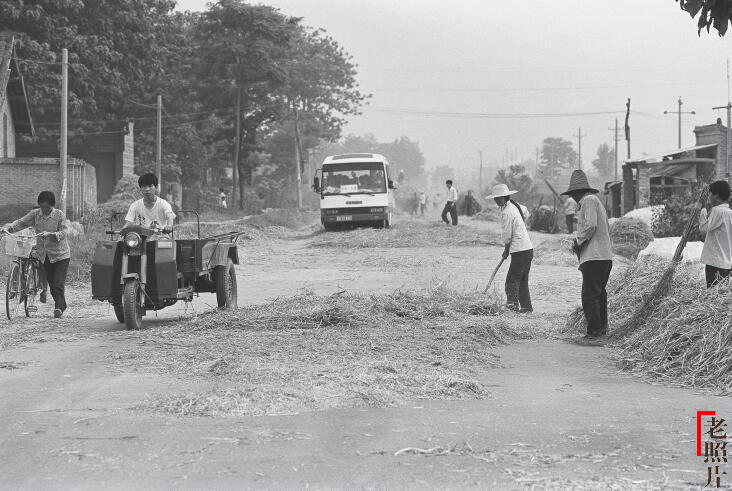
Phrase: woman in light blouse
(52, 247)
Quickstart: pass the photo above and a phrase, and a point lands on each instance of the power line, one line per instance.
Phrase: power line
(446, 114)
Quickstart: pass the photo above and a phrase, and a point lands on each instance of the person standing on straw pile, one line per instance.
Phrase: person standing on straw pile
(518, 244)
(592, 245)
(717, 251)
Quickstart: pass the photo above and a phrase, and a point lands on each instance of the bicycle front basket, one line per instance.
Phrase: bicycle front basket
(19, 246)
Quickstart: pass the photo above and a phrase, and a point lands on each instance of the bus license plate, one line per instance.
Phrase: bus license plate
(345, 218)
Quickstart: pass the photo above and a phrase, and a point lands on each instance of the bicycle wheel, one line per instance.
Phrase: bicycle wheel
(13, 291)
(31, 289)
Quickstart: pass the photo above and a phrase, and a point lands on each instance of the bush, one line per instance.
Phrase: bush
(125, 193)
(671, 220)
(462, 205)
(629, 236)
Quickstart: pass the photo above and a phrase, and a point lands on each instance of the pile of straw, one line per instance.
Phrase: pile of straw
(556, 251)
(491, 213)
(314, 352)
(408, 233)
(629, 236)
(687, 336)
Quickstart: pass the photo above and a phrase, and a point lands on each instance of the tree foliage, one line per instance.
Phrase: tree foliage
(517, 179)
(557, 155)
(604, 164)
(712, 13)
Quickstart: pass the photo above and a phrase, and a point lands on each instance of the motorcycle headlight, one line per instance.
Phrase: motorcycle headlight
(132, 240)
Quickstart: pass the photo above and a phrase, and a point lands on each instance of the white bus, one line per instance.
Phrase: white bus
(355, 189)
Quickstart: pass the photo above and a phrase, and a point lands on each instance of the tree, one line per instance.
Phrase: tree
(604, 164)
(557, 154)
(516, 178)
(714, 13)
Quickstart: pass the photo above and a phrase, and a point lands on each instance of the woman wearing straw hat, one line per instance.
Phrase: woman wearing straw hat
(517, 243)
(592, 245)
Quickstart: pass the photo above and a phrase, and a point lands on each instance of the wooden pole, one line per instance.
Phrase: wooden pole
(159, 145)
(237, 136)
(297, 157)
(64, 127)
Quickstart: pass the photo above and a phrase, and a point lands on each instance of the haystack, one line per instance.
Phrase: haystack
(687, 337)
(629, 236)
(556, 251)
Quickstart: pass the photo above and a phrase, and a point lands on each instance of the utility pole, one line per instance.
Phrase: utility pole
(64, 126)
(728, 146)
(480, 176)
(616, 133)
(579, 136)
(237, 137)
(680, 112)
(297, 156)
(159, 145)
(627, 125)
(536, 163)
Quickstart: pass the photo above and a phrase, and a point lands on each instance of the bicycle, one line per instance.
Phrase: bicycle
(22, 284)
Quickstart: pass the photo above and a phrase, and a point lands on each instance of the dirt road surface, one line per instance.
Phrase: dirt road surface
(560, 416)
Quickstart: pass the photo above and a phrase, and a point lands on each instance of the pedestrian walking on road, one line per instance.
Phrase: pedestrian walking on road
(451, 204)
(570, 208)
(52, 247)
(517, 243)
(592, 245)
(717, 251)
(422, 203)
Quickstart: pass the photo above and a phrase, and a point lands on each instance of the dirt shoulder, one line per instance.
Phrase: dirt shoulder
(556, 415)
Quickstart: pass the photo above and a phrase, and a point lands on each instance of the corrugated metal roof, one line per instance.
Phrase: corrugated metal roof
(659, 158)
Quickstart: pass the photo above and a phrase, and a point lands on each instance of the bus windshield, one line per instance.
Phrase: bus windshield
(354, 178)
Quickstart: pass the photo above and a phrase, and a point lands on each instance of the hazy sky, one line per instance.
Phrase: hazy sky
(532, 57)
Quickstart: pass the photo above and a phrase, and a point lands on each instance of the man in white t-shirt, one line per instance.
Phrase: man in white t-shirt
(151, 211)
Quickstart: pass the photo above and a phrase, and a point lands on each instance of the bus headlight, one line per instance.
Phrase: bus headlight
(132, 240)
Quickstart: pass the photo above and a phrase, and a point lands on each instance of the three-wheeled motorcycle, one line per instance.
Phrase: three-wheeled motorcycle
(149, 269)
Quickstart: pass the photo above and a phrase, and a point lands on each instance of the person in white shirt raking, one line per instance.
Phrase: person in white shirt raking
(151, 211)
(717, 251)
(517, 243)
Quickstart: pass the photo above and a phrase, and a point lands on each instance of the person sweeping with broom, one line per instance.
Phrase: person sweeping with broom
(593, 247)
(518, 244)
(717, 251)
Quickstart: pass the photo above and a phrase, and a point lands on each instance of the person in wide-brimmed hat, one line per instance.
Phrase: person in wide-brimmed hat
(593, 247)
(516, 243)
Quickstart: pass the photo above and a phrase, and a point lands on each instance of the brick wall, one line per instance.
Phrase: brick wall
(21, 179)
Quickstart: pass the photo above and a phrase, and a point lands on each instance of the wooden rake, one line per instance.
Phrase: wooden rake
(490, 282)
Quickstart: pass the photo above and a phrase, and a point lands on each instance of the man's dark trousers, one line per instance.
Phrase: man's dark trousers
(56, 276)
(452, 210)
(595, 275)
(570, 223)
(716, 275)
(517, 281)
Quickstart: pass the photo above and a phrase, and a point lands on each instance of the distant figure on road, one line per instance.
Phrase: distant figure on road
(222, 199)
(422, 203)
(570, 208)
(451, 204)
(414, 204)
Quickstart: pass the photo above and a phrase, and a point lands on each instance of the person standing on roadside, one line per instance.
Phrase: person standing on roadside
(422, 203)
(717, 251)
(594, 249)
(517, 243)
(52, 247)
(451, 204)
(570, 208)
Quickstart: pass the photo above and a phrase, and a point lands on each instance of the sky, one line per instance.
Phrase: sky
(467, 76)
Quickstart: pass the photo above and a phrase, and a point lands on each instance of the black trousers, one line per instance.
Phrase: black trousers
(56, 276)
(716, 275)
(595, 275)
(451, 208)
(570, 223)
(517, 281)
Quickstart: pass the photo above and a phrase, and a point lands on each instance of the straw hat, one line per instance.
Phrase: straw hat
(579, 182)
(500, 190)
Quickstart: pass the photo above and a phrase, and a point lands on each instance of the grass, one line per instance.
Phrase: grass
(686, 337)
(407, 233)
(314, 352)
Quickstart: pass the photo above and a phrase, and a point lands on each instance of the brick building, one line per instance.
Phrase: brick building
(652, 180)
(22, 177)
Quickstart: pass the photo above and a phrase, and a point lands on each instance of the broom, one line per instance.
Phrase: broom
(663, 286)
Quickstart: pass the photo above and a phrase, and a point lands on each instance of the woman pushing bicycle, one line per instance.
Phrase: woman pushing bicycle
(52, 247)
